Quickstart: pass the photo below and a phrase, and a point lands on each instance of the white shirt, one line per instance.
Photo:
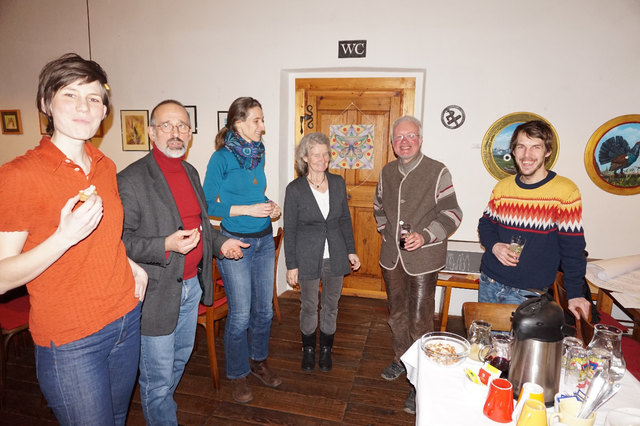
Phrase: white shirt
(322, 198)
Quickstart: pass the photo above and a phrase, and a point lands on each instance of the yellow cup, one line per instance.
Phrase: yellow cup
(568, 408)
(534, 413)
(529, 390)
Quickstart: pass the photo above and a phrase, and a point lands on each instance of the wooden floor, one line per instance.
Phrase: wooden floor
(352, 393)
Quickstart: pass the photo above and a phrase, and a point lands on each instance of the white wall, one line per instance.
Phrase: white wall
(574, 62)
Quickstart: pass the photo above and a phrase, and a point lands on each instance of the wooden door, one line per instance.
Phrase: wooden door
(339, 101)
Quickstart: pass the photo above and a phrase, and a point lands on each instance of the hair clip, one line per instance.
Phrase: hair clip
(106, 86)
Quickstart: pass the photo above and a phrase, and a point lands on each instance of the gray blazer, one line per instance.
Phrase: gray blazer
(305, 229)
(150, 215)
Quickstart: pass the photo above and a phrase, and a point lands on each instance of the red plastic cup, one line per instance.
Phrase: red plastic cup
(499, 404)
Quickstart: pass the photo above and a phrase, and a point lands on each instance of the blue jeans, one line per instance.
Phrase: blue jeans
(90, 381)
(491, 291)
(248, 283)
(163, 358)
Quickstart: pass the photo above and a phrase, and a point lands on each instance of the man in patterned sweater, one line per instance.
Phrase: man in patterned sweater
(418, 191)
(546, 209)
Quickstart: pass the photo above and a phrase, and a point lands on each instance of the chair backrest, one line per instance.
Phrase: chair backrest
(497, 314)
(584, 328)
(277, 240)
(218, 285)
(14, 311)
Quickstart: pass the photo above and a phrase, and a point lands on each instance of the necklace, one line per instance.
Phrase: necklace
(255, 179)
(317, 185)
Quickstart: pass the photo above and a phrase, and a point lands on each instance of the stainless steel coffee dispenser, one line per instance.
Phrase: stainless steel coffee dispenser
(537, 351)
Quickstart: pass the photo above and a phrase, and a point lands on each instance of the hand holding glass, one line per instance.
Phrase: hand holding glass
(517, 244)
(405, 230)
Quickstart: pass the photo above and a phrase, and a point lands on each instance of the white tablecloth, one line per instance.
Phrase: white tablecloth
(443, 399)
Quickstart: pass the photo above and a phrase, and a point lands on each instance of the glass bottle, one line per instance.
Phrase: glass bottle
(405, 230)
(609, 338)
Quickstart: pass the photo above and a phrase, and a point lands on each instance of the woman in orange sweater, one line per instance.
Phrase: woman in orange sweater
(85, 293)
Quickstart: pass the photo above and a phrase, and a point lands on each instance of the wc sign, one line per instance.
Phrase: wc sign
(352, 49)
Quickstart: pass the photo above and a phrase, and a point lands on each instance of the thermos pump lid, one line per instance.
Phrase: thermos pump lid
(539, 318)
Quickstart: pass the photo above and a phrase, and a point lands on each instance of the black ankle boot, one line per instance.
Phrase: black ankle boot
(324, 359)
(308, 351)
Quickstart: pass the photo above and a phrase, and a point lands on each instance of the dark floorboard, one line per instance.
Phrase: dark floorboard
(353, 393)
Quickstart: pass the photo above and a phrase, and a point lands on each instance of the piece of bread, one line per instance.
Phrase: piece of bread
(86, 193)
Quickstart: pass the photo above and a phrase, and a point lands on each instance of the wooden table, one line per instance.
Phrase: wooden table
(468, 281)
(443, 396)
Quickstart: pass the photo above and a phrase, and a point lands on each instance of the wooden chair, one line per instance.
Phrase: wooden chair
(14, 318)
(277, 240)
(209, 317)
(497, 314)
(584, 328)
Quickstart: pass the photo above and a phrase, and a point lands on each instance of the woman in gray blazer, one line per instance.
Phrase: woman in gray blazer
(318, 245)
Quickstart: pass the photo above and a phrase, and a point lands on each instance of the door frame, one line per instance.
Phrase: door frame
(288, 123)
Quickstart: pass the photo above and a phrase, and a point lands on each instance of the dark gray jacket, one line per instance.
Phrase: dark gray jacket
(150, 215)
(305, 229)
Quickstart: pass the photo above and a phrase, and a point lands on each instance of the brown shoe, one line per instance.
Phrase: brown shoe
(240, 390)
(261, 370)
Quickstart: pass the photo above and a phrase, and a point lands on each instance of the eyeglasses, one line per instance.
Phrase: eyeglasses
(411, 137)
(168, 127)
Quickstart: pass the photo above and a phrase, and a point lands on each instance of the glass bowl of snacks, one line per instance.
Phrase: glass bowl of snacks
(445, 349)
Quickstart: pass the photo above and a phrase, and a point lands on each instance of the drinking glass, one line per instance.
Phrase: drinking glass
(517, 244)
(575, 372)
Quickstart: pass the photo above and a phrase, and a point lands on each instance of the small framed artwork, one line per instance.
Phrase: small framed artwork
(611, 156)
(193, 116)
(44, 121)
(134, 130)
(496, 154)
(222, 119)
(11, 124)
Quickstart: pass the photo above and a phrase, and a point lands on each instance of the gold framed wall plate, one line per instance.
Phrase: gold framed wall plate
(611, 155)
(496, 154)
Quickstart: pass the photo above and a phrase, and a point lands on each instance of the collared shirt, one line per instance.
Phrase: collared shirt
(91, 284)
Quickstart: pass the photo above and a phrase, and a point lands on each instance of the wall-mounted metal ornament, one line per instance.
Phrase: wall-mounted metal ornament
(452, 117)
(308, 117)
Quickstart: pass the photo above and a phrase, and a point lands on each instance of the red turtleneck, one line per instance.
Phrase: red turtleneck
(186, 201)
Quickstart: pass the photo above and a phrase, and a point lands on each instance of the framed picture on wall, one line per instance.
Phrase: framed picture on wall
(11, 124)
(496, 154)
(222, 119)
(134, 125)
(611, 156)
(44, 121)
(193, 116)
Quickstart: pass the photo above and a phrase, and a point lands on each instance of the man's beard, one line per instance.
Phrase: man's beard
(174, 153)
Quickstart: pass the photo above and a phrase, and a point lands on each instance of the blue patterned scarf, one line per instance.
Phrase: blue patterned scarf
(248, 154)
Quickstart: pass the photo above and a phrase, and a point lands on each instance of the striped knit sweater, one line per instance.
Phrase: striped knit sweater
(549, 215)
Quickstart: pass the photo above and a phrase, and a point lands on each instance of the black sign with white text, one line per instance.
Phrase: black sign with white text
(352, 49)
